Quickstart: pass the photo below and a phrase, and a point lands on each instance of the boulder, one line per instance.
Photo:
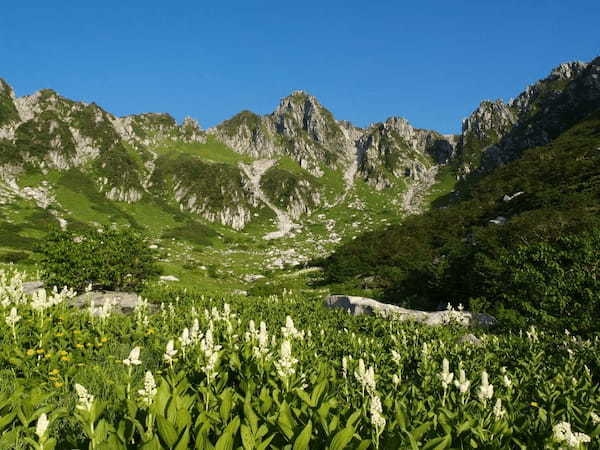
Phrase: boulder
(124, 302)
(29, 287)
(469, 339)
(168, 278)
(362, 305)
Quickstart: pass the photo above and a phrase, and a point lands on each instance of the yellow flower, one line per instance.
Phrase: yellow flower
(30, 352)
(104, 339)
(60, 334)
(54, 372)
(52, 378)
(534, 404)
(65, 358)
(48, 355)
(58, 384)
(39, 351)
(79, 345)
(99, 344)
(63, 353)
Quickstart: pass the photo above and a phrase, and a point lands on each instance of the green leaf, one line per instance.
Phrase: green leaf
(440, 443)
(166, 431)
(303, 439)
(247, 438)
(342, 439)
(286, 421)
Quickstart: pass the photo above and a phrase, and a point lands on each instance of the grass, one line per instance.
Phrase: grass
(212, 150)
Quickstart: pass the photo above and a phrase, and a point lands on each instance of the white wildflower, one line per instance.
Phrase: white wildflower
(262, 349)
(377, 418)
(562, 433)
(286, 363)
(290, 331)
(595, 418)
(195, 334)
(462, 383)
(486, 390)
(85, 401)
(446, 376)
(498, 410)
(185, 340)
(12, 318)
(42, 425)
(170, 352)
(147, 394)
(134, 358)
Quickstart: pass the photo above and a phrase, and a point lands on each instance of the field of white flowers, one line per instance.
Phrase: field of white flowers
(280, 373)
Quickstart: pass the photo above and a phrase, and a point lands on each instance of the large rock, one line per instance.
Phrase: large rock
(362, 305)
(124, 302)
(29, 287)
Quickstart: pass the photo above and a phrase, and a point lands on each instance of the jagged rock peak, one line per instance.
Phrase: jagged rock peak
(489, 116)
(567, 71)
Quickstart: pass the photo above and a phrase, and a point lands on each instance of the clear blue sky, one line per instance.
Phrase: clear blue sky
(429, 61)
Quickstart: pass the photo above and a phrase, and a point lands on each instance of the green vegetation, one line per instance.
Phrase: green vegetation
(8, 111)
(280, 372)
(455, 254)
(212, 150)
(111, 259)
(44, 134)
(285, 188)
(213, 186)
(241, 121)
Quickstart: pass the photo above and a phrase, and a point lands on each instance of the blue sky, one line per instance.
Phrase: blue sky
(429, 61)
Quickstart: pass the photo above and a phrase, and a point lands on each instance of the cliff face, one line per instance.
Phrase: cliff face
(497, 133)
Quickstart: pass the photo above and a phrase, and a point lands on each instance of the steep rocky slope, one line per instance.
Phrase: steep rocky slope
(498, 132)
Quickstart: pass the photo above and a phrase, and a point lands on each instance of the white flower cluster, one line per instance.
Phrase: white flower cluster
(85, 401)
(290, 331)
(147, 394)
(261, 349)
(286, 364)
(563, 434)
(366, 377)
(11, 288)
(486, 390)
(170, 352)
(211, 353)
(377, 418)
(134, 358)
(12, 318)
(446, 376)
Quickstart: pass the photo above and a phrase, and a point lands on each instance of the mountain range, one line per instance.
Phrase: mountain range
(283, 166)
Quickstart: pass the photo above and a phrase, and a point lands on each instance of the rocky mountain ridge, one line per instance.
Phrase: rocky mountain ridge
(497, 132)
(133, 158)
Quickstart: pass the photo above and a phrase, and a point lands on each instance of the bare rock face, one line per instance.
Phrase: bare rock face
(362, 305)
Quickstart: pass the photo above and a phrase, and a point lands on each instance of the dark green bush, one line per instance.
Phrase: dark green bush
(110, 260)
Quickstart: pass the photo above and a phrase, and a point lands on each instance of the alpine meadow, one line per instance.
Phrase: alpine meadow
(294, 281)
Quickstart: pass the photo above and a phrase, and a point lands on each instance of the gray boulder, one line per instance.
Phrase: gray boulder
(123, 302)
(362, 305)
(29, 287)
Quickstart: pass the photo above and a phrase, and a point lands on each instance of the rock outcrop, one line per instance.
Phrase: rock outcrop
(362, 305)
